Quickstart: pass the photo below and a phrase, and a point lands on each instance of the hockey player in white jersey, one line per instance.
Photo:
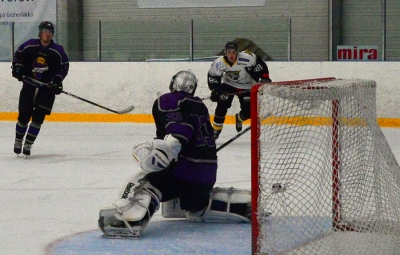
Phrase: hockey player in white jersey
(234, 74)
(181, 163)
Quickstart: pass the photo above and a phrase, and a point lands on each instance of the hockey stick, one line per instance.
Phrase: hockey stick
(240, 133)
(208, 97)
(39, 83)
(234, 138)
(227, 94)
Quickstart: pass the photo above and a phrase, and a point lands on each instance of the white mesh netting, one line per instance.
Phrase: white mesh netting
(326, 171)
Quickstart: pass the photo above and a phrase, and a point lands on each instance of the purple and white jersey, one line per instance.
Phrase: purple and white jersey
(186, 118)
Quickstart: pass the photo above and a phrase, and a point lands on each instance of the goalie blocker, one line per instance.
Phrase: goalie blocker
(226, 205)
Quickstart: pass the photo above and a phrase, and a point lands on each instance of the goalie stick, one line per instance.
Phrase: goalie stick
(39, 83)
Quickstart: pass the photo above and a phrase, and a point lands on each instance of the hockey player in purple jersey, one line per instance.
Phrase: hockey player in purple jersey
(234, 74)
(181, 163)
(44, 60)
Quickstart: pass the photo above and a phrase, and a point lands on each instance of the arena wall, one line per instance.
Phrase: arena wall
(117, 85)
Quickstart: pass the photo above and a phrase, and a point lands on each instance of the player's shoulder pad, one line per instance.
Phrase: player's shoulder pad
(168, 101)
(57, 47)
(217, 63)
(29, 43)
(173, 101)
(247, 56)
(248, 52)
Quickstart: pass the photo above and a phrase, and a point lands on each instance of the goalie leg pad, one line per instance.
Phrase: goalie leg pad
(172, 209)
(226, 205)
(130, 219)
(109, 213)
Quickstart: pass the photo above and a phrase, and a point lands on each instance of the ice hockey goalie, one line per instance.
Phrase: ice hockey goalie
(181, 163)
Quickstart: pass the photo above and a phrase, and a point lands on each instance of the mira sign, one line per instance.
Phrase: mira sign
(358, 53)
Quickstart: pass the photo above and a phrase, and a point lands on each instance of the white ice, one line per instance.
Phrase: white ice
(74, 169)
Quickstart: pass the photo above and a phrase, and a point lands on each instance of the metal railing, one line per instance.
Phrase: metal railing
(157, 40)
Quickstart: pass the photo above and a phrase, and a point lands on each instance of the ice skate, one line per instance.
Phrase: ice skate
(18, 146)
(27, 149)
(216, 134)
(239, 125)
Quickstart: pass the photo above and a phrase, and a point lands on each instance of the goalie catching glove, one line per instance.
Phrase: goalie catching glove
(156, 155)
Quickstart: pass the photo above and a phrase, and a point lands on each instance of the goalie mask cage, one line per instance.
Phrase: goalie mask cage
(323, 169)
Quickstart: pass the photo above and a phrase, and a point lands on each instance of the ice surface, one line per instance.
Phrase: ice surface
(50, 201)
(74, 169)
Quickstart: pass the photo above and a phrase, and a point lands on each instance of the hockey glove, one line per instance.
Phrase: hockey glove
(215, 95)
(224, 96)
(18, 71)
(265, 80)
(56, 85)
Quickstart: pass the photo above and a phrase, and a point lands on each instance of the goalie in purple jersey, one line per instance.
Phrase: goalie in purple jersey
(44, 60)
(180, 164)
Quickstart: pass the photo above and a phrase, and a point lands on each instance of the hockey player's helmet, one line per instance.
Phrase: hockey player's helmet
(185, 81)
(46, 25)
(231, 46)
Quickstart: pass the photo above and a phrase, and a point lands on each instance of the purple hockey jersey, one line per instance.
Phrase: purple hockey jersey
(186, 118)
(42, 63)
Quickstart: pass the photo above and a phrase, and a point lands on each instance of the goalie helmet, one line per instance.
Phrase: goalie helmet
(185, 81)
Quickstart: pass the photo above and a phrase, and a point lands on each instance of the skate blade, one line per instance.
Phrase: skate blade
(116, 236)
(22, 156)
(121, 233)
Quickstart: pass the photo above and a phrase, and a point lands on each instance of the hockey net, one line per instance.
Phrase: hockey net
(323, 169)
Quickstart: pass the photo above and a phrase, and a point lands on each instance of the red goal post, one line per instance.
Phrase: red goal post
(319, 161)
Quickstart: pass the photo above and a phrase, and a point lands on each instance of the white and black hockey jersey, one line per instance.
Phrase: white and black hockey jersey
(247, 70)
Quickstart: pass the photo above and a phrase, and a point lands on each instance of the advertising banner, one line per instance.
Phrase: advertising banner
(27, 15)
(357, 53)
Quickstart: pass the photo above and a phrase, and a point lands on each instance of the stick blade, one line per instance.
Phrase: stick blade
(129, 109)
